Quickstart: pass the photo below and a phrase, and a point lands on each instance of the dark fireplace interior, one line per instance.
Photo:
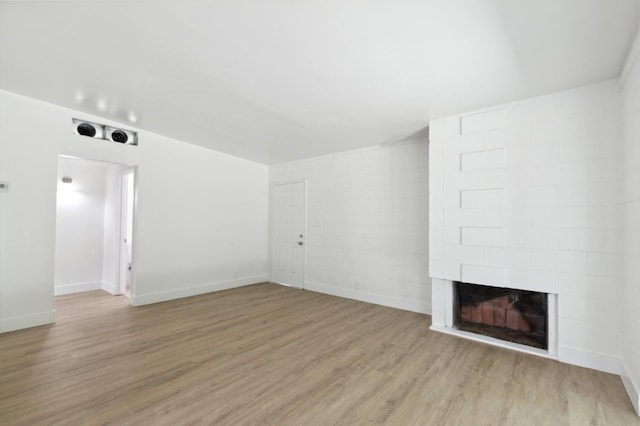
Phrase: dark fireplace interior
(513, 315)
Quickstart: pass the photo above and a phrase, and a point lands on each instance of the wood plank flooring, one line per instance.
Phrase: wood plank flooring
(267, 354)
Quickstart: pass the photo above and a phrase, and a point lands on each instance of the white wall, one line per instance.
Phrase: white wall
(367, 224)
(527, 195)
(631, 207)
(201, 224)
(27, 214)
(80, 213)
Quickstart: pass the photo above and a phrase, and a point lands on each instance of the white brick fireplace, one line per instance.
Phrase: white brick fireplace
(527, 195)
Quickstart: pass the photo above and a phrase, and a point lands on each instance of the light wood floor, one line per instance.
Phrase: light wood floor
(267, 354)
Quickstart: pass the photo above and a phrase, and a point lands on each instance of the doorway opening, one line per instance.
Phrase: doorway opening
(288, 233)
(95, 235)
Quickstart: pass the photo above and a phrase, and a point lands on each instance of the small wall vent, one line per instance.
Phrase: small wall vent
(101, 131)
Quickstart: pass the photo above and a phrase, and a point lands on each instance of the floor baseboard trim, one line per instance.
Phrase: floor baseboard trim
(589, 359)
(26, 321)
(419, 306)
(631, 386)
(108, 287)
(61, 290)
(163, 296)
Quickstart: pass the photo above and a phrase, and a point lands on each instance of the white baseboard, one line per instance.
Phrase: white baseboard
(589, 359)
(108, 287)
(631, 384)
(26, 321)
(413, 305)
(60, 290)
(163, 296)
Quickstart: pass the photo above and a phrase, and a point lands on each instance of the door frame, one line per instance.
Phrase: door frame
(306, 234)
(124, 192)
(121, 287)
(129, 168)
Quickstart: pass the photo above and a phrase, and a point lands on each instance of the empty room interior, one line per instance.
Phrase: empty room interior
(411, 212)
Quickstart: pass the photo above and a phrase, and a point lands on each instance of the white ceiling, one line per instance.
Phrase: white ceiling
(277, 80)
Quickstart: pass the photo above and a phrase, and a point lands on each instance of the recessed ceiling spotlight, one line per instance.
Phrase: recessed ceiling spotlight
(100, 131)
(86, 128)
(122, 136)
(133, 117)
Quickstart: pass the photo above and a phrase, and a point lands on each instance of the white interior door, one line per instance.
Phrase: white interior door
(288, 205)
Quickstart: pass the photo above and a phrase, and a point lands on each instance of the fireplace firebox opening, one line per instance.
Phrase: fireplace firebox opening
(517, 316)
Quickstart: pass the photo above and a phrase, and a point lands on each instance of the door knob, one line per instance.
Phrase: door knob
(299, 243)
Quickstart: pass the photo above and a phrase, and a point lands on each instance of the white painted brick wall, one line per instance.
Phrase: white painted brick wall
(488, 275)
(482, 122)
(481, 237)
(482, 160)
(482, 198)
(631, 236)
(368, 216)
(537, 191)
